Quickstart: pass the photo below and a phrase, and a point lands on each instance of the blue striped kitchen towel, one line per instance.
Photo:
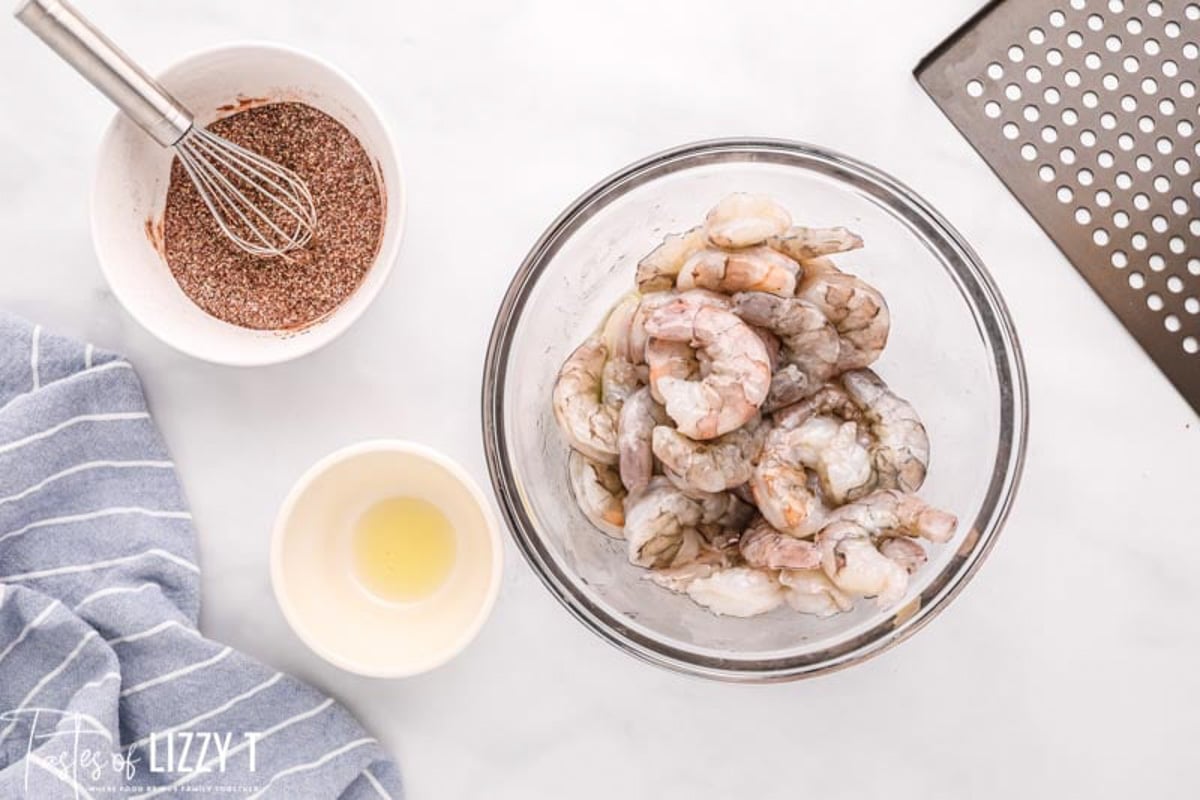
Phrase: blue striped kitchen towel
(106, 685)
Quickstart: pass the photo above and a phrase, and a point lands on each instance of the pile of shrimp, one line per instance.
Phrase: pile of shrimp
(724, 423)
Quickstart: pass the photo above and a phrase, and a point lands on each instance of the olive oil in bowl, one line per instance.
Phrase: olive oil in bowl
(404, 549)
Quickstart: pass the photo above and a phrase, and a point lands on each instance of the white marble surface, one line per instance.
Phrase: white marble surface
(1067, 668)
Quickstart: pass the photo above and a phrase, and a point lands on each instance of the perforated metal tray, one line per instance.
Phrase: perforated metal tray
(1088, 110)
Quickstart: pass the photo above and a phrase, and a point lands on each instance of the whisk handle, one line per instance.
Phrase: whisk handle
(111, 71)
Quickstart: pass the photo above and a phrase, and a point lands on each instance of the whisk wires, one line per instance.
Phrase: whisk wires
(261, 206)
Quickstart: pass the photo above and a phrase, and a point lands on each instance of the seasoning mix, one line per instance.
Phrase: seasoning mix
(291, 292)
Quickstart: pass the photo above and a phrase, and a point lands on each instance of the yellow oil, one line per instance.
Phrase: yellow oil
(403, 549)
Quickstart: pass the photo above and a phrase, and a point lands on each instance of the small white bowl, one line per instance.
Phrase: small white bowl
(130, 188)
(312, 572)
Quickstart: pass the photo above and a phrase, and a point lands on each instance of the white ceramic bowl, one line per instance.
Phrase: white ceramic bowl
(311, 565)
(130, 190)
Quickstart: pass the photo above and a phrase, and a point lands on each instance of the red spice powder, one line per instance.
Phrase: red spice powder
(296, 291)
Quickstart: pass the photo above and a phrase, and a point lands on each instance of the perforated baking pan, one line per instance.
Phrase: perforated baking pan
(1088, 111)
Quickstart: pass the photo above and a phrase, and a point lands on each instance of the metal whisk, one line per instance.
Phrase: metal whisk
(263, 207)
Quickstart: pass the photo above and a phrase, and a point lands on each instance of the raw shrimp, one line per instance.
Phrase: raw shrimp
(855, 308)
(722, 512)
(719, 511)
(710, 559)
(840, 461)
(902, 445)
(890, 510)
(639, 339)
(589, 425)
(739, 372)
(810, 591)
(639, 415)
(793, 380)
(831, 399)
(908, 553)
(743, 493)
(715, 465)
(737, 591)
(772, 343)
(723, 422)
(854, 565)
(742, 220)
(887, 426)
(763, 546)
(667, 359)
(836, 452)
(618, 380)
(661, 526)
(810, 344)
(780, 488)
(726, 539)
(656, 272)
(756, 269)
(805, 244)
(617, 328)
(599, 493)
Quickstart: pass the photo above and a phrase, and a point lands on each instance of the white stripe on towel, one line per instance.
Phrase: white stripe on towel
(114, 511)
(33, 623)
(49, 676)
(112, 562)
(118, 416)
(287, 723)
(105, 678)
(119, 363)
(111, 591)
(325, 759)
(371, 779)
(84, 467)
(146, 634)
(88, 350)
(191, 723)
(33, 357)
(179, 673)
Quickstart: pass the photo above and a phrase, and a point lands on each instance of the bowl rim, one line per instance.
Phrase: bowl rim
(336, 322)
(279, 535)
(999, 333)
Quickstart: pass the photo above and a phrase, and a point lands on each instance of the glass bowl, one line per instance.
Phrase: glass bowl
(953, 353)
